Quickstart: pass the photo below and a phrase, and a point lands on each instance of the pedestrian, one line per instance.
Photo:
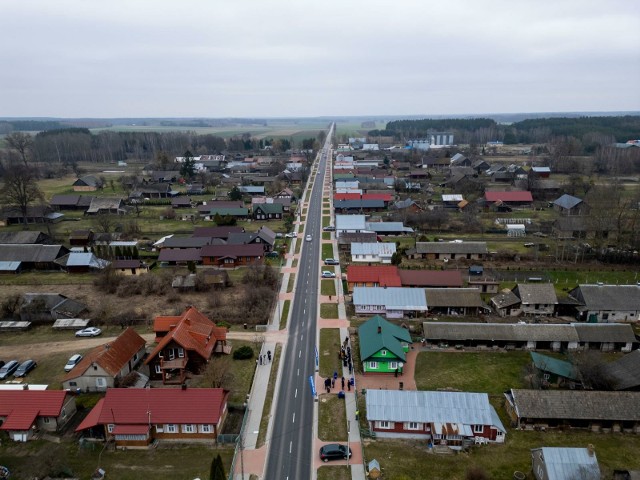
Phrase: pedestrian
(342, 383)
(269, 354)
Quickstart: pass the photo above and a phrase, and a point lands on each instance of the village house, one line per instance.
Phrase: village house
(383, 346)
(185, 344)
(25, 413)
(392, 302)
(107, 365)
(607, 303)
(137, 417)
(449, 251)
(597, 411)
(372, 252)
(454, 419)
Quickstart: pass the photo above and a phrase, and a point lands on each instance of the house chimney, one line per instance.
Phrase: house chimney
(590, 449)
(379, 329)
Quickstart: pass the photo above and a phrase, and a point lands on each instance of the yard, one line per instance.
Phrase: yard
(488, 372)
(332, 426)
(167, 461)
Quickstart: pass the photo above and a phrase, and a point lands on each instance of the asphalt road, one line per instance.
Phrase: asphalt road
(290, 446)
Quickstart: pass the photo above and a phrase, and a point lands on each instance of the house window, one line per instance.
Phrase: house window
(384, 424)
(188, 428)
(206, 428)
(181, 352)
(412, 426)
(171, 428)
(110, 427)
(158, 370)
(478, 428)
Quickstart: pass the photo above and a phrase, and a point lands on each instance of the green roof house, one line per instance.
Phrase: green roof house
(383, 346)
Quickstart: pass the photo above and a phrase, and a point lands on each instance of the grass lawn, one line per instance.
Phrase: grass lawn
(327, 287)
(329, 349)
(328, 310)
(341, 472)
(332, 424)
(326, 235)
(409, 459)
(292, 282)
(266, 409)
(327, 250)
(285, 313)
(35, 458)
(488, 372)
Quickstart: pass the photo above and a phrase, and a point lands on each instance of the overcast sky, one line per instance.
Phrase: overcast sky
(269, 58)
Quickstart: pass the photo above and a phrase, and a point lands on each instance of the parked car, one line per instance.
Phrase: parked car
(334, 451)
(331, 261)
(88, 332)
(72, 362)
(24, 368)
(328, 274)
(309, 238)
(329, 228)
(8, 368)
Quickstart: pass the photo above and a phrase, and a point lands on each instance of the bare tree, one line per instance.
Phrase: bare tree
(20, 188)
(22, 143)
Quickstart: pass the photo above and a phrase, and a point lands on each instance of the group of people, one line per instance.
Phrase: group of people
(264, 359)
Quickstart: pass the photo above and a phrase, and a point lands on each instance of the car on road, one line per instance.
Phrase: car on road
(334, 451)
(328, 274)
(8, 368)
(24, 368)
(329, 228)
(72, 362)
(88, 332)
(331, 261)
(291, 235)
(308, 238)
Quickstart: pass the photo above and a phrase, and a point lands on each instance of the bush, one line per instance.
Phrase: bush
(243, 353)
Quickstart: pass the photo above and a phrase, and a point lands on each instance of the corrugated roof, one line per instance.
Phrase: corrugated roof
(142, 406)
(578, 405)
(562, 463)
(431, 278)
(513, 196)
(454, 297)
(112, 357)
(555, 366)
(431, 407)
(517, 332)
(378, 333)
(451, 247)
(392, 298)
(380, 249)
(22, 407)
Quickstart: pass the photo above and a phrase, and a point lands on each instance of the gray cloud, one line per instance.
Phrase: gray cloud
(288, 58)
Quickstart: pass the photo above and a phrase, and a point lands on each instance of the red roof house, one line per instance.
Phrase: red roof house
(137, 416)
(25, 412)
(106, 365)
(185, 344)
(372, 276)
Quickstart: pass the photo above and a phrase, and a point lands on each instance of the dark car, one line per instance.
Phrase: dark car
(334, 451)
(8, 368)
(24, 368)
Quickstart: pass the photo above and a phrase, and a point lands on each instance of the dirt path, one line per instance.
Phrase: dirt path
(15, 351)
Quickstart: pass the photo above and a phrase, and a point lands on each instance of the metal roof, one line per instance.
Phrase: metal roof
(562, 463)
(431, 407)
(393, 298)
